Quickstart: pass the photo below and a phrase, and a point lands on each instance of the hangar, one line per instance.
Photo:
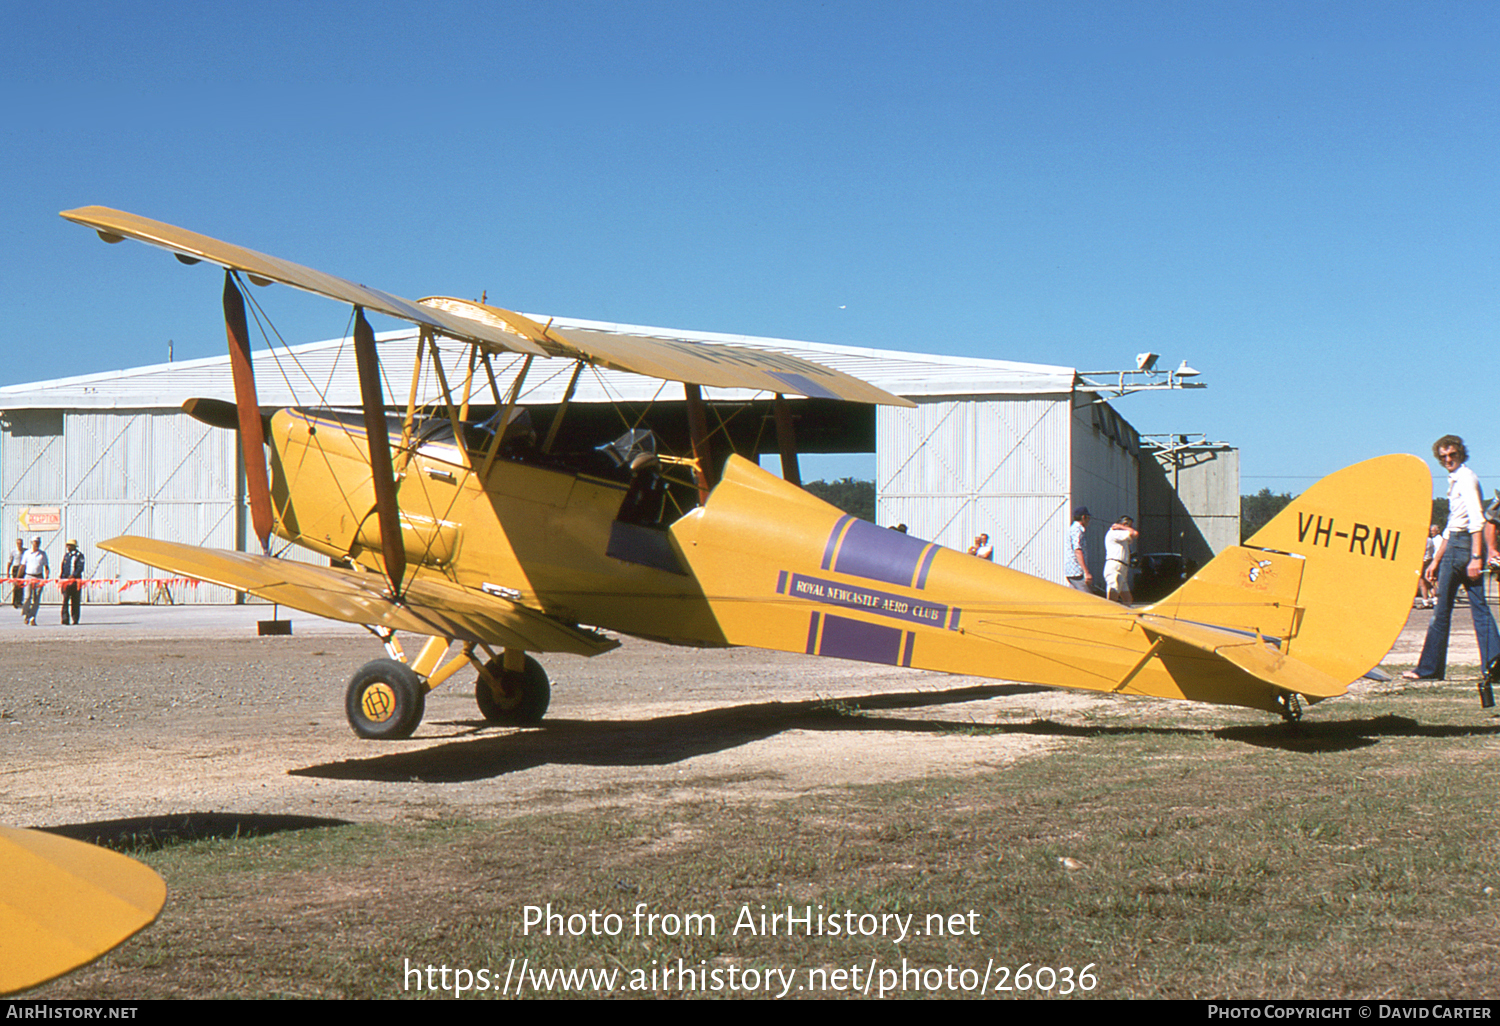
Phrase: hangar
(992, 446)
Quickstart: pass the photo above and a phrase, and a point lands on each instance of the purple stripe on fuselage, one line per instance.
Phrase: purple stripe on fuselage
(855, 639)
(911, 640)
(833, 540)
(926, 566)
(781, 583)
(812, 634)
(880, 554)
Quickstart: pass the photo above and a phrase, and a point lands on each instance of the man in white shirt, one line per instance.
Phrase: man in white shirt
(37, 568)
(1458, 562)
(1117, 545)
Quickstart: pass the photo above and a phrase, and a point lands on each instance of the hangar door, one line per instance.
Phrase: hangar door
(155, 473)
(954, 467)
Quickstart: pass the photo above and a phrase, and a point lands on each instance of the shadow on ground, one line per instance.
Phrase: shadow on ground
(149, 833)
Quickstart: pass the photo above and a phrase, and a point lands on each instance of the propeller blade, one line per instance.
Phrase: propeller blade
(379, 438)
(252, 435)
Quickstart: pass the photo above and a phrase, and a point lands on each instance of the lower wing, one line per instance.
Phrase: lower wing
(429, 606)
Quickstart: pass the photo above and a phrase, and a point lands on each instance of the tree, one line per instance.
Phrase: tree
(851, 496)
(1256, 511)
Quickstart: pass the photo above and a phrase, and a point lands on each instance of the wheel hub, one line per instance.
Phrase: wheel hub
(378, 702)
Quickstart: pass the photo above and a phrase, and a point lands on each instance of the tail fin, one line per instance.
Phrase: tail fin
(1332, 575)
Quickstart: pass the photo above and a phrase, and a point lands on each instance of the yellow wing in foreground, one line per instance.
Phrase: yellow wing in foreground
(430, 606)
(64, 903)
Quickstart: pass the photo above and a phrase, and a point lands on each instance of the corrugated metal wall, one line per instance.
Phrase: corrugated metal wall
(1106, 473)
(156, 473)
(955, 467)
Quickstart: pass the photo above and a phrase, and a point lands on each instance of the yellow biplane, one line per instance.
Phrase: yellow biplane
(488, 535)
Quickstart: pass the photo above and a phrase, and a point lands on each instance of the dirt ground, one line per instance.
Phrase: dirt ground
(152, 713)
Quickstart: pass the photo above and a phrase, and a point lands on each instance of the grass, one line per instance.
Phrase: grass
(1352, 856)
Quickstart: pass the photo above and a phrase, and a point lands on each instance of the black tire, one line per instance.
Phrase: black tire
(385, 700)
(527, 694)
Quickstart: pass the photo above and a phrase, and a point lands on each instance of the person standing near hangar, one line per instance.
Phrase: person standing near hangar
(15, 570)
(37, 568)
(70, 579)
(1076, 567)
(1117, 545)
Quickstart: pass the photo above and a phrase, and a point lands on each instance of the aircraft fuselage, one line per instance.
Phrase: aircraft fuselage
(537, 533)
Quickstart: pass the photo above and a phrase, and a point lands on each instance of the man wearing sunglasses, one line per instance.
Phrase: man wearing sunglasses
(1458, 562)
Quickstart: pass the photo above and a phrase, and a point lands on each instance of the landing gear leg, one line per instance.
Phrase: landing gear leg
(1289, 704)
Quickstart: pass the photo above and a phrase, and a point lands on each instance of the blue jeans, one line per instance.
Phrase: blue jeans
(1450, 577)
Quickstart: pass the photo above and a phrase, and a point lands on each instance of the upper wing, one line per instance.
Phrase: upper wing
(430, 606)
(117, 225)
(504, 330)
(720, 366)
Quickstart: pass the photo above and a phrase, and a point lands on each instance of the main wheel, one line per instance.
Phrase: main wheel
(385, 700)
(526, 694)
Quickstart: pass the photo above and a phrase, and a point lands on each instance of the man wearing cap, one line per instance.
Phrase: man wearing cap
(1076, 567)
(70, 578)
(37, 568)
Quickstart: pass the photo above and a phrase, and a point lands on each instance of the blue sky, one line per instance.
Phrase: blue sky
(1300, 199)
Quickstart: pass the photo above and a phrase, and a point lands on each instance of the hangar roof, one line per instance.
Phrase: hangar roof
(323, 373)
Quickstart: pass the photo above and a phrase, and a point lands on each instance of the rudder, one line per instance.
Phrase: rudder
(1332, 575)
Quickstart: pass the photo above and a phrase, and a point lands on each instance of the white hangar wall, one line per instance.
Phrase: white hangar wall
(1106, 473)
(1011, 467)
(157, 473)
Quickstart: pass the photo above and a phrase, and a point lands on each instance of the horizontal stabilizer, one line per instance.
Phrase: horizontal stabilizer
(431, 605)
(1251, 654)
(1241, 589)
